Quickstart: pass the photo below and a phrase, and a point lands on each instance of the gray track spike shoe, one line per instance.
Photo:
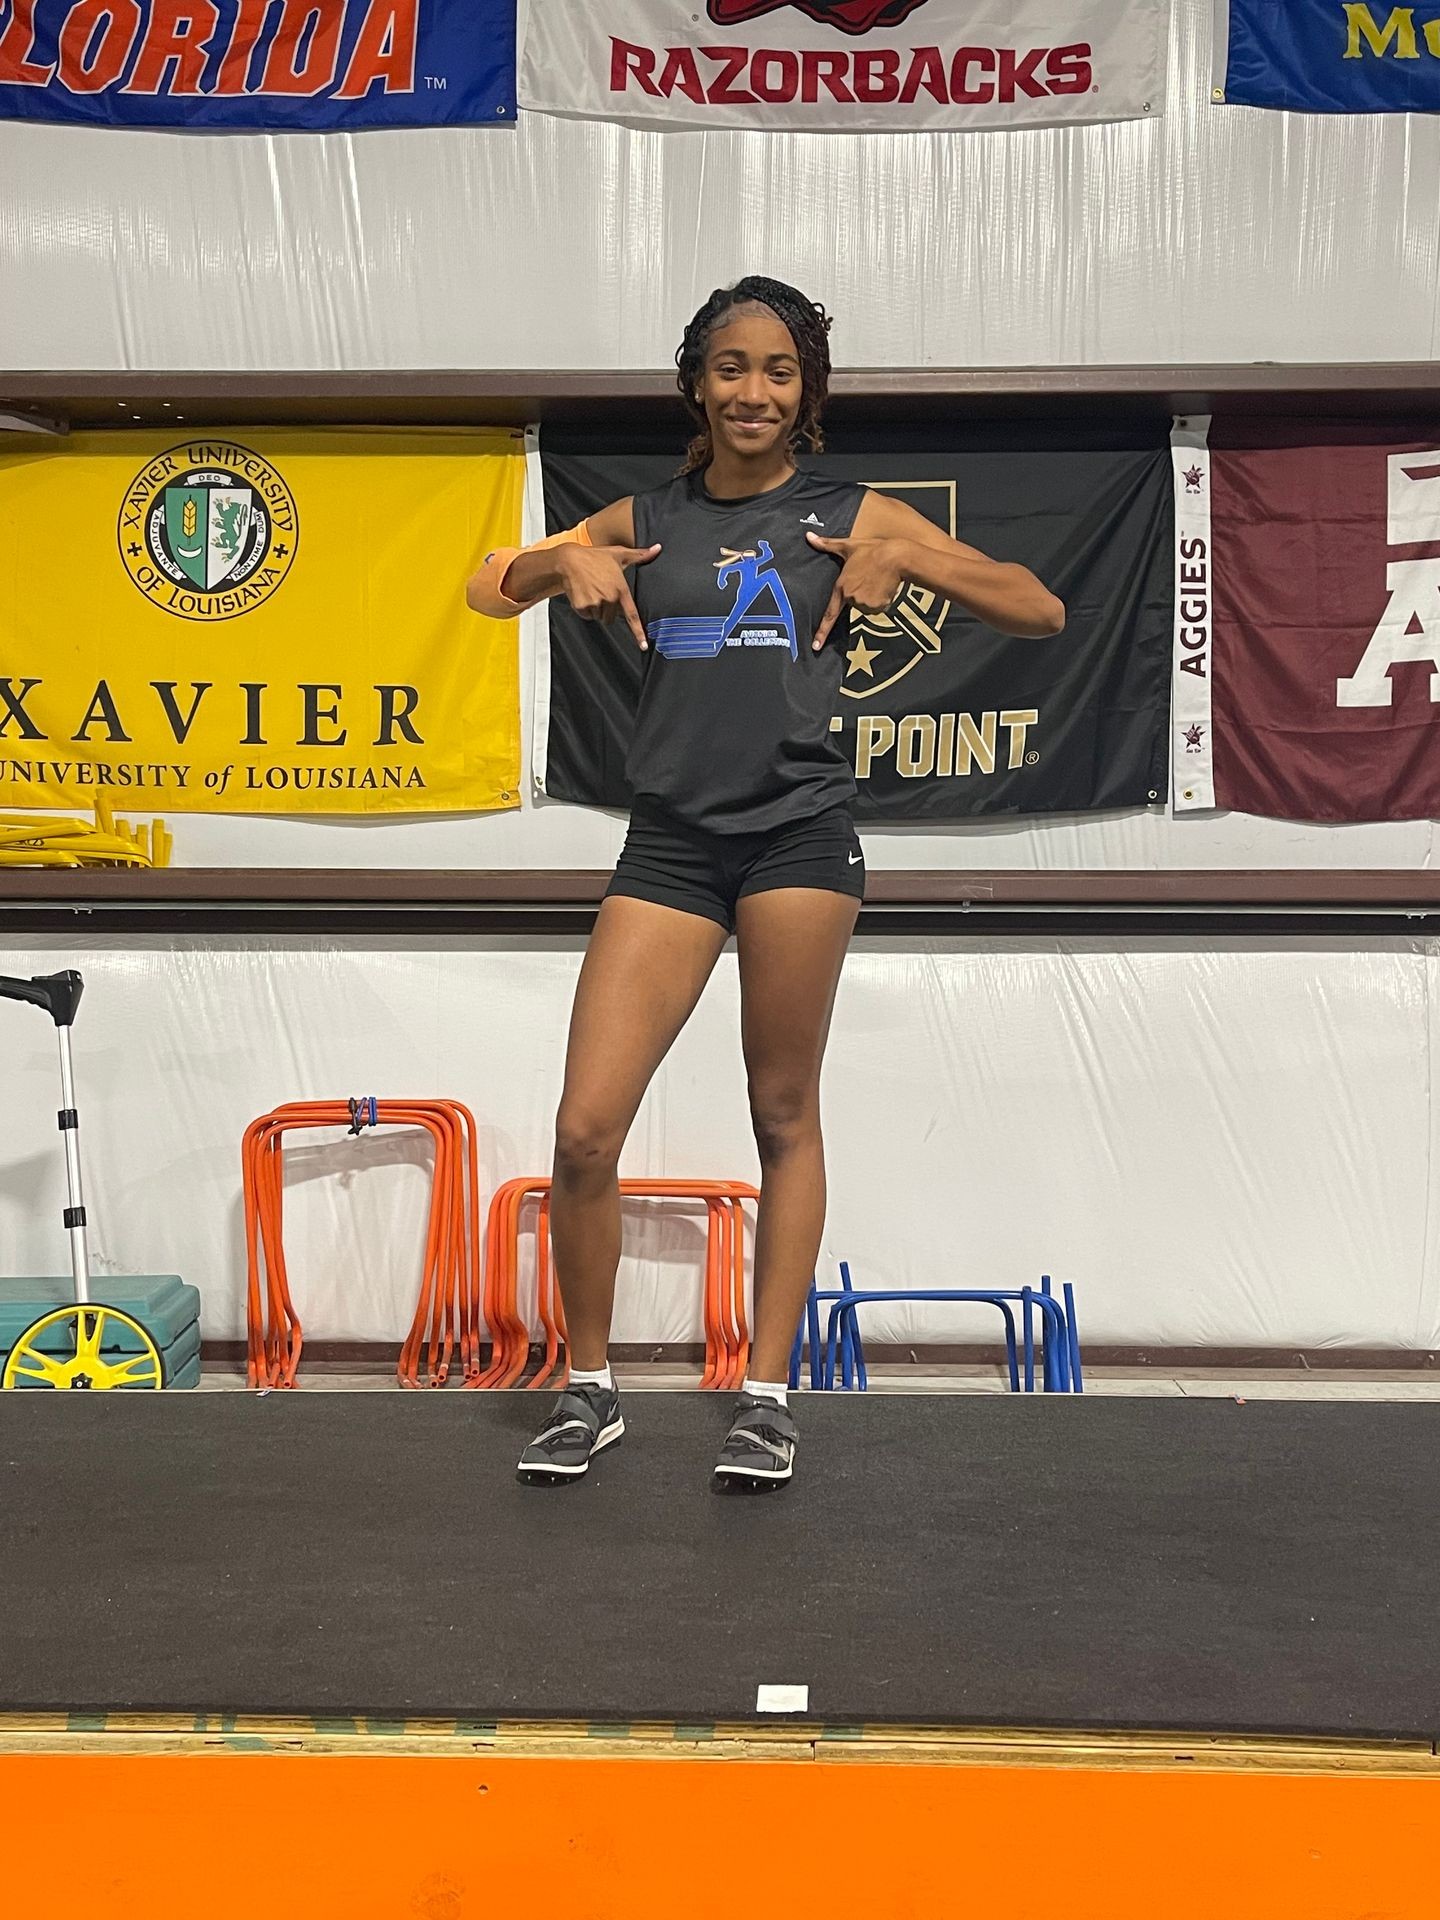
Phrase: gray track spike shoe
(759, 1450)
(585, 1421)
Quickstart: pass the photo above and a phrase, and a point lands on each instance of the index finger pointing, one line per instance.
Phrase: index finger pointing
(632, 619)
(830, 616)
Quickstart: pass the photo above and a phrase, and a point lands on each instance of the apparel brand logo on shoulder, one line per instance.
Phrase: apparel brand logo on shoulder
(761, 615)
(811, 520)
(334, 48)
(208, 530)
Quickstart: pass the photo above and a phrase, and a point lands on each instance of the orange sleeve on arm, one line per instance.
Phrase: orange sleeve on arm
(486, 593)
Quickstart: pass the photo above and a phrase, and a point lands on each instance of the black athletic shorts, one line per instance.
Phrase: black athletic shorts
(675, 865)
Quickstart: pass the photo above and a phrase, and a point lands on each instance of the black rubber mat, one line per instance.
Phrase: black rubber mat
(1181, 1564)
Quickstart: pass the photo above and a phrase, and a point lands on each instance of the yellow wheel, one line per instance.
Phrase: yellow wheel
(82, 1364)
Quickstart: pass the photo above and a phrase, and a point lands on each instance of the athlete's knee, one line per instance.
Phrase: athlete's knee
(587, 1145)
(785, 1116)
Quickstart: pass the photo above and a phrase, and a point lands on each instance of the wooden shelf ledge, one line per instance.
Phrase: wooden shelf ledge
(1114, 395)
(1324, 889)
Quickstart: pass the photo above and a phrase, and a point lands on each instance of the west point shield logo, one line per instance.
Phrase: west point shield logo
(208, 530)
(883, 647)
(850, 16)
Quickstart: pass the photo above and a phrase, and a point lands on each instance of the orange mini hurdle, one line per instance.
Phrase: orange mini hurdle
(447, 1313)
(727, 1337)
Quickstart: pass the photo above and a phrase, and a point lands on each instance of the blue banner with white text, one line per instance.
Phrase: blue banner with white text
(1327, 56)
(259, 65)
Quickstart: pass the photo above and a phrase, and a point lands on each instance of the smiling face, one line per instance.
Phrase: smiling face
(751, 386)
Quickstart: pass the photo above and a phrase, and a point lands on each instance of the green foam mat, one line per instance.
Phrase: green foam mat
(162, 1302)
(182, 1353)
(180, 1358)
(186, 1376)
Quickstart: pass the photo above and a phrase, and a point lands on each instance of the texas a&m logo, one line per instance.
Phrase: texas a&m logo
(1409, 628)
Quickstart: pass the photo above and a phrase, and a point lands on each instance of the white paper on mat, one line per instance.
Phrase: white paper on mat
(782, 1700)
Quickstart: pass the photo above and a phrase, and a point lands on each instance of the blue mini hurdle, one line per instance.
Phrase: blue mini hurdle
(842, 1348)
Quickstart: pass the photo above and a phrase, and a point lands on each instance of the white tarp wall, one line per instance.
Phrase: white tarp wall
(1211, 234)
(1226, 1147)
(1233, 1144)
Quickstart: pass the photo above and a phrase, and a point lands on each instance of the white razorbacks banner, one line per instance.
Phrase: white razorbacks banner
(846, 66)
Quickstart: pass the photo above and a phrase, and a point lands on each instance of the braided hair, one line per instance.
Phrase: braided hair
(808, 323)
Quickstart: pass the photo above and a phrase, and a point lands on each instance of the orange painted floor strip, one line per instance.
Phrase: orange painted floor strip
(375, 1837)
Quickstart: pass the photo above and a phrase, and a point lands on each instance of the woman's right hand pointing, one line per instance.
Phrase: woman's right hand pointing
(595, 585)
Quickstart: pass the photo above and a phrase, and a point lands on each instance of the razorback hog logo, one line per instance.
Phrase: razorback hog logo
(850, 16)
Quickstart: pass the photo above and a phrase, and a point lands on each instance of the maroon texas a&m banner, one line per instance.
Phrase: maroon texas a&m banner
(1306, 679)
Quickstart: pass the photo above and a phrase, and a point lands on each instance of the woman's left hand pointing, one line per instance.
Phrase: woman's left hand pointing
(871, 576)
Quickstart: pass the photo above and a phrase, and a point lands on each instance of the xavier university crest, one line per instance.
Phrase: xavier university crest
(208, 530)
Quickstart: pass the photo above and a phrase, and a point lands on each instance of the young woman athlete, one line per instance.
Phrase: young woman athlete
(733, 580)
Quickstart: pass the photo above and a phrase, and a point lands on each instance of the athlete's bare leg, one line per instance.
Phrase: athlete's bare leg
(792, 944)
(644, 970)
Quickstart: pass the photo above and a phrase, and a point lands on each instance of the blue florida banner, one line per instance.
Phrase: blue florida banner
(1327, 56)
(287, 65)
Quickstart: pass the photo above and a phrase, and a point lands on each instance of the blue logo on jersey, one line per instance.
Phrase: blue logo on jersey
(745, 625)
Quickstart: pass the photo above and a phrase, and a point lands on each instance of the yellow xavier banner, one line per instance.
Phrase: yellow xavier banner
(258, 621)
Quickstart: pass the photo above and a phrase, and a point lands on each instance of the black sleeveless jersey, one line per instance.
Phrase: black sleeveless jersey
(733, 729)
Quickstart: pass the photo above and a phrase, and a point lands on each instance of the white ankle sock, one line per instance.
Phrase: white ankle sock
(604, 1378)
(767, 1390)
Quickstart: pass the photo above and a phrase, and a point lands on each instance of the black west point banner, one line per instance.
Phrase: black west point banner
(940, 717)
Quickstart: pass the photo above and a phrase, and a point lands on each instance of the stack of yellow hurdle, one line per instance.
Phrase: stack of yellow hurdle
(48, 840)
